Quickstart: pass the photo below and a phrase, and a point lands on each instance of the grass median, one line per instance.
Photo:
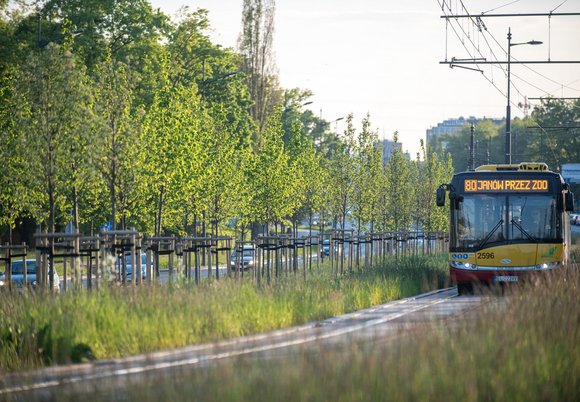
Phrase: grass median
(44, 329)
(522, 346)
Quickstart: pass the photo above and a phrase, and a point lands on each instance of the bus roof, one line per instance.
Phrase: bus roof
(524, 166)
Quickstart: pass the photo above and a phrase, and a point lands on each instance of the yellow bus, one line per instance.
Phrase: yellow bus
(506, 222)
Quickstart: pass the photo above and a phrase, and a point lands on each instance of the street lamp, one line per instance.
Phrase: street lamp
(287, 118)
(292, 107)
(508, 124)
(336, 124)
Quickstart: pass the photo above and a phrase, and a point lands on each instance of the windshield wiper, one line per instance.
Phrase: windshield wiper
(529, 236)
(484, 241)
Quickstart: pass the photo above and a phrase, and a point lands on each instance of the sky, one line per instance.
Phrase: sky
(382, 57)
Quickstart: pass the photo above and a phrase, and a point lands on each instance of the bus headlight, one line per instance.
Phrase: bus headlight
(548, 265)
(462, 265)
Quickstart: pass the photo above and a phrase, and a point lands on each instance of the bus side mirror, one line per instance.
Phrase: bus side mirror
(569, 201)
(440, 196)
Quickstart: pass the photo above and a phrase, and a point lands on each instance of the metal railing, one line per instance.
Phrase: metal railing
(89, 262)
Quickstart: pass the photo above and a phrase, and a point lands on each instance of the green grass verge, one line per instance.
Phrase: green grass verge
(522, 347)
(44, 329)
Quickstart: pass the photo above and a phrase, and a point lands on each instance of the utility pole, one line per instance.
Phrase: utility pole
(472, 148)
(488, 148)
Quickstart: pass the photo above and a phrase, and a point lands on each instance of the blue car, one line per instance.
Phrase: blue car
(18, 275)
(325, 250)
(129, 266)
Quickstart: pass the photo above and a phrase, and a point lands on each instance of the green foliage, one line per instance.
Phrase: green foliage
(341, 175)
(400, 193)
(559, 143)
(367, 176)
(305, 160)
(56, 118)
(41, 329)
(430, 173)
(115, 139)
(148, 124)
(171, 152)
(547, 136)
(223, 182)
(12, 152)
(120, 28)
(529, 354)
(520, 347)
(489, 145)
(271, 191)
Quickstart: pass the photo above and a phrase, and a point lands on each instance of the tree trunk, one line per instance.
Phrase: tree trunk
(76, 209)
(113, 205)
(159, 212)
(51, 207)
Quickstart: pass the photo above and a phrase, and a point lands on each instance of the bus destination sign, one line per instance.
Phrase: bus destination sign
(505, 185)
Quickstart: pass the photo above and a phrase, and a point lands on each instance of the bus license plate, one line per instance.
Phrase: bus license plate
(505, 278)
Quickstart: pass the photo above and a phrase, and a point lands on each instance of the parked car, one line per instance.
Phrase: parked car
(129, 266)
(574, 219)
(325, 250)
(246, 258)
(17, 278)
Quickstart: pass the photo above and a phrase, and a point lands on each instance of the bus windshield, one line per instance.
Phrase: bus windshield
(480, 220)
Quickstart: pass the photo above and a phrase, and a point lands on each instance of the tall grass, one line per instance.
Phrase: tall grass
(523, 346)
(45, 329)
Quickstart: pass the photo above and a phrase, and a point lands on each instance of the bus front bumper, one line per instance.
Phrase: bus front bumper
(490, 275)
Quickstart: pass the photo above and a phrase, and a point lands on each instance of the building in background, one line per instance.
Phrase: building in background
(571, 173)
(452, 126)
(389, 147)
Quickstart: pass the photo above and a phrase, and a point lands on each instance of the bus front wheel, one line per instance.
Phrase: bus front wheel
(465, 288)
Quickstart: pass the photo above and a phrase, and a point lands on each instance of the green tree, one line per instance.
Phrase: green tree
(367, 160)
(13, 175)
(255, 46)
(171, 153)
(430, 172)
(271, 190)
(400, 192)
(120, 28)
(223, 183)
(342, 171)
(558, 139)
(57, 127)
(117, 139)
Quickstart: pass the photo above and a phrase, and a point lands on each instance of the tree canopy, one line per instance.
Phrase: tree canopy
(112, 112)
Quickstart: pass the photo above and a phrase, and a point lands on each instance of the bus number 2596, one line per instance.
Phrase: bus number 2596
(485, 256)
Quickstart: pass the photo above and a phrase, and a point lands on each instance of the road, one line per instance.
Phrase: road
(389, 320)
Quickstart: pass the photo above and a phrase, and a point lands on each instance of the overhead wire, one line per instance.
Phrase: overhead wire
(477, 49)
(472, 56)
(516, 87)
(532, 69)
(558, 6)
(494, 56)
(551, 148)
(526, 66)
(497, 8)
(566, 86)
